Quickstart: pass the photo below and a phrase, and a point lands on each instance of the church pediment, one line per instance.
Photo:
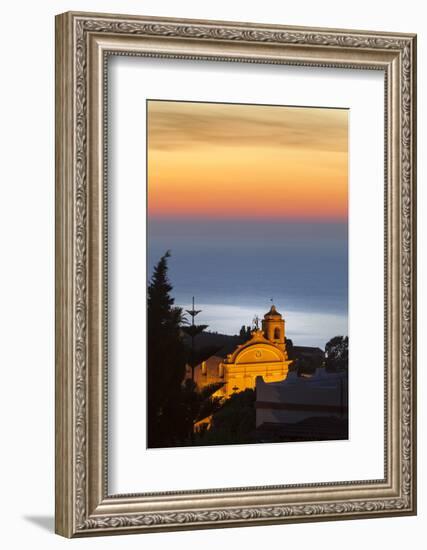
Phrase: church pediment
(259, 353)
(256, 350)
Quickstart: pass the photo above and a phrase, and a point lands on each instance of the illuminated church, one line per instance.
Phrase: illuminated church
(264, 354)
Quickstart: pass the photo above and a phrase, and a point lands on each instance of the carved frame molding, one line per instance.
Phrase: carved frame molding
(83, 44)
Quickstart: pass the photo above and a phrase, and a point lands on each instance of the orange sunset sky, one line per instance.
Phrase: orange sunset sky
(210, 160)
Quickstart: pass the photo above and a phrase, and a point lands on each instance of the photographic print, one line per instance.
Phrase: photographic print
(248, 273)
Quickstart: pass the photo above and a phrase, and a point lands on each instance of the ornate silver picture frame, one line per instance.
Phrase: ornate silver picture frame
(84, 42)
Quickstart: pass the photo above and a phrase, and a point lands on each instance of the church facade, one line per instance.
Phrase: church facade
(264, 354)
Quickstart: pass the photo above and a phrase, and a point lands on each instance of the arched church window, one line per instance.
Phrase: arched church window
(277, 333)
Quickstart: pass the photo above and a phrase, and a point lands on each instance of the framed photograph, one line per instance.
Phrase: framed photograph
(235, 274)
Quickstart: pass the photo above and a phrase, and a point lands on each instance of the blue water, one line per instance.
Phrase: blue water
(235, 268)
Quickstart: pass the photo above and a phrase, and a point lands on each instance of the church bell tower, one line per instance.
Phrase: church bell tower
(273, 326)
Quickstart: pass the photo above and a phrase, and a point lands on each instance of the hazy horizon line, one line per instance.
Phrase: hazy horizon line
(303, 327)
(247, 218)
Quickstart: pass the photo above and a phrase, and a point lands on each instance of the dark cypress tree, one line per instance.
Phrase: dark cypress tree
(245, 334)
(166, 359)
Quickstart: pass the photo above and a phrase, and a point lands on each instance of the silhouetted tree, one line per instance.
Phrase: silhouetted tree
(166, 360)
(193, 331)
(336, 354)
(198, 404)
(245, 333)
(233, 423)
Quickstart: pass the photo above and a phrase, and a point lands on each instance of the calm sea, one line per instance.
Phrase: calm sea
(234, 268)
